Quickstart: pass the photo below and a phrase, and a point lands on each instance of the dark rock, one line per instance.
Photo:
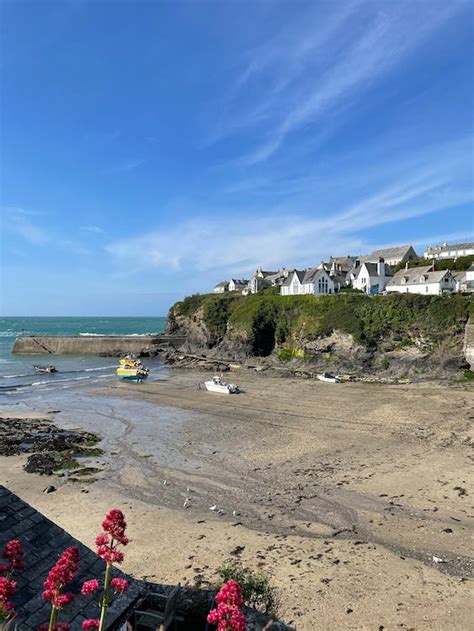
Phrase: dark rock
(49, 489)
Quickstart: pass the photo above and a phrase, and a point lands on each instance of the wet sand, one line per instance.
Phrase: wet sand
(343, 494)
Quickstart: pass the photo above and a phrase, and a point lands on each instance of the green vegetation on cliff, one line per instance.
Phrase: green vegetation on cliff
(263, 321)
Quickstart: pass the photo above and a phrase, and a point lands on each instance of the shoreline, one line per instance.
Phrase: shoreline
(302, 463)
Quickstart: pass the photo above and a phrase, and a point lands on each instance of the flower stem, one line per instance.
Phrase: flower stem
(52, 618)
(105, 597)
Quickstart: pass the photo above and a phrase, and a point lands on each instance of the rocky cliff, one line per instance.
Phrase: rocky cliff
(395, 335)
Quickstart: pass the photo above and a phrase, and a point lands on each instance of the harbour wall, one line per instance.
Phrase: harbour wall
(91, 345)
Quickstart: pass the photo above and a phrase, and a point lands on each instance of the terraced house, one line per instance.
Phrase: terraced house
(313, 280)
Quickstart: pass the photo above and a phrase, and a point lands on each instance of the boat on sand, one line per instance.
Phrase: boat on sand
(328, 378)
(217, 384)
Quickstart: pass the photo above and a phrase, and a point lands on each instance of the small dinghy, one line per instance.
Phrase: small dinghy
(48, 369)
(217, 384)
(326, 376)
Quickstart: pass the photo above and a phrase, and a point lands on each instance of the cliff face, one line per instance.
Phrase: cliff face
(393, 334)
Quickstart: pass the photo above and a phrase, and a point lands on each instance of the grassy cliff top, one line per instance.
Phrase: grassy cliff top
(367, 319)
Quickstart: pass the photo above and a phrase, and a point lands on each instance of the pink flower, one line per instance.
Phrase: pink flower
(101, 540)
(59, 576)
(227, 615)
(90, 587)
(7, 588)
(14, 553)
(3, 567)
(119, 584)
(64, 599)
(90, 624)
(115, 524)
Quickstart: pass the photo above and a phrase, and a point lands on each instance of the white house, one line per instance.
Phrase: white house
(220, 288)
(261, 279)
(370, 277)
(314, 281)
(236, 284)
(422, 280)
(447, 251)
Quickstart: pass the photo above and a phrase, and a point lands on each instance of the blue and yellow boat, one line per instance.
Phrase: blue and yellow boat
(131, 370)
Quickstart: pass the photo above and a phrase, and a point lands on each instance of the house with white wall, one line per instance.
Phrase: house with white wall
(315, 281)
(220, 288)
(237, 284)
(470, 276)
(261, 279)
(371, 277)
(422, 280)
(449, 251)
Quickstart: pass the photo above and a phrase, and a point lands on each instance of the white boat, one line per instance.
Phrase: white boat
(326, 376)
(217, 384)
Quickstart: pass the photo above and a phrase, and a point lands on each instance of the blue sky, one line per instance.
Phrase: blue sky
(152, 149)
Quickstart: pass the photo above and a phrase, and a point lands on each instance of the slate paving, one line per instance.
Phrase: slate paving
(44, 542)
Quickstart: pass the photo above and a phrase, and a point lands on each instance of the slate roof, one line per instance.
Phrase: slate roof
(44, 542)
(413, 271)
(391, 253)
(447, 247)
(418, 279)
(311, 274)
(289, 279)
(223, 284)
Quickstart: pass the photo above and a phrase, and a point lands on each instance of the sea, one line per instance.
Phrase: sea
(20, 383)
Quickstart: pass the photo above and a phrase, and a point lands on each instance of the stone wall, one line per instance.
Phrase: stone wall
(90, 345)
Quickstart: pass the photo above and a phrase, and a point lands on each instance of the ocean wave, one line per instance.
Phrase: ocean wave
(26, 374)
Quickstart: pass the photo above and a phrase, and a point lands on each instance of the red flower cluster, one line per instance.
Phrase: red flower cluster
(7, 589)
(90, 587)
(13, 553)
(90, 624)
(59, 576)
(227, 615)
(114, 526)
(119, 584)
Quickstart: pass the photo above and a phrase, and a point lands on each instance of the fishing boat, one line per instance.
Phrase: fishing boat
(45, 369)
(328, 378)
(217, 384)
(131, 370)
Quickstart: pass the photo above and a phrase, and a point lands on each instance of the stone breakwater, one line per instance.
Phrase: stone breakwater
(109, 345)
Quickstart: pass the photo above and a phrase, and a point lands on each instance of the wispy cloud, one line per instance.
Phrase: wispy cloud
(21, 223)
(317, 70)
(93, 229)
(288, 235)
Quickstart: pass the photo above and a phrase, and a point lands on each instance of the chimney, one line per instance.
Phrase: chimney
(406, 265)
(381, 269)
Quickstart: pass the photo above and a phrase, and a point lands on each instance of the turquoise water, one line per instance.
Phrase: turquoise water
(17, 376)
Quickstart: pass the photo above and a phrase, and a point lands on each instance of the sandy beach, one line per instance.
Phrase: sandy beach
(342, 494)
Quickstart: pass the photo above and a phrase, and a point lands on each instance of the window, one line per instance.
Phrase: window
(295, 286)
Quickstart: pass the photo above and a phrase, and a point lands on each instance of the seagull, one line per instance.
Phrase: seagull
(165, 482)
(186, 503)
(213, 507)
(438, 560)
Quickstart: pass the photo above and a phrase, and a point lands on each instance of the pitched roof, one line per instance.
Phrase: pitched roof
(44, 542)
(413, 271)
(391, 253)
(373, 269)
(224, 283)
(289, 279)
(446, 247)
(312, 273)
(418, 279)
